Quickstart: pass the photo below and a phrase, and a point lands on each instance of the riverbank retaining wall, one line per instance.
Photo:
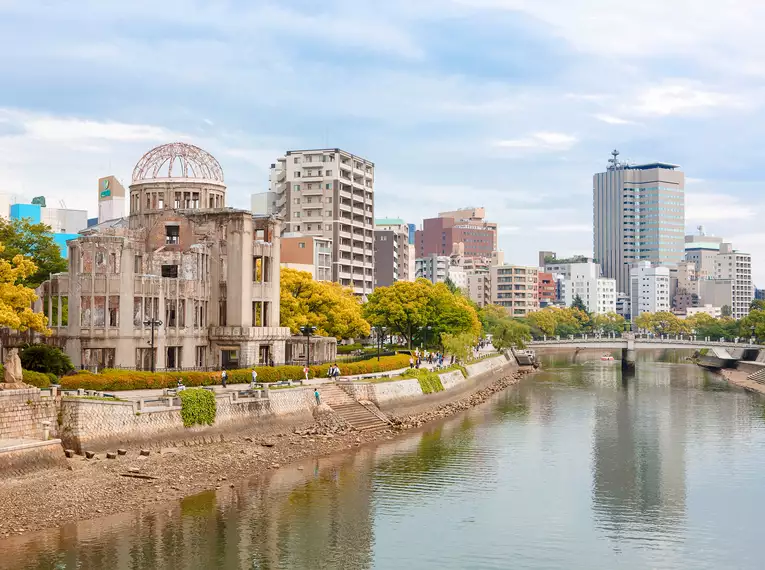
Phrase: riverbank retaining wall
(22, 413)
(88, 424)
(96, 425)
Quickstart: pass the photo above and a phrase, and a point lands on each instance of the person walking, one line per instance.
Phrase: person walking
(336, 373)
(411, 362)
(254, 381)
(223, 378)
(317, 396)
(306, 370)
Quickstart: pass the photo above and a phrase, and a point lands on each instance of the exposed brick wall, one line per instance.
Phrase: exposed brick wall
(22, 413)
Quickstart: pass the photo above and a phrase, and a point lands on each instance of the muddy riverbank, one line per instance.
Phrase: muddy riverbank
(86, 489)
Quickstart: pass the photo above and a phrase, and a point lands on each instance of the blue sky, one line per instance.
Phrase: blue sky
(507, 104)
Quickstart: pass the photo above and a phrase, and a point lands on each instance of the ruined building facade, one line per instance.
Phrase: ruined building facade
(209, 273)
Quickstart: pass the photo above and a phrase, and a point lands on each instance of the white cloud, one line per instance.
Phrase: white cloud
(682, 98)
(704, 207)
(612, 120)
(540, 141)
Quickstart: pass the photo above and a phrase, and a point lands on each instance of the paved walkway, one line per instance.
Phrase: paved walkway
(218, 389)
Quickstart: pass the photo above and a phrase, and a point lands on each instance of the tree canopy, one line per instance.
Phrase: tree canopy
(333, 309)
(34, 241)
(16, 300)
(510, 333)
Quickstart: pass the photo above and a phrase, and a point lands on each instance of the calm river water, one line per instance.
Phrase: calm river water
(575, 468)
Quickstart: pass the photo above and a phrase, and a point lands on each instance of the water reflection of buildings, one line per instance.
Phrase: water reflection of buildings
(639, 455)
(317, 517)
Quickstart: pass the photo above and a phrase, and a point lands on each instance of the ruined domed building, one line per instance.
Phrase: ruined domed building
(209, 273)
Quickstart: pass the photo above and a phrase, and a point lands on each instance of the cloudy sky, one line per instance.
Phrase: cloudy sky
(508, 104)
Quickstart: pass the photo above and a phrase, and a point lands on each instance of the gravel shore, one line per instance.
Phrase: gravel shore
(87, 489)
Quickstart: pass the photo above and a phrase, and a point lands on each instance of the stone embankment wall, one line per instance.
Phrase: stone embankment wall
(98, 424)
(22, 413)
(387, 394)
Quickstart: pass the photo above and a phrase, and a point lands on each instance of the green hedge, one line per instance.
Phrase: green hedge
(37, 379)
(113, 380)
(197, 407)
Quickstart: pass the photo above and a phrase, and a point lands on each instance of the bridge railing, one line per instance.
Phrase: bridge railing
(692, 340)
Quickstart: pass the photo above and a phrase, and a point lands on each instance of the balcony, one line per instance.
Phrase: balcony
(312, 175)
(313, 206)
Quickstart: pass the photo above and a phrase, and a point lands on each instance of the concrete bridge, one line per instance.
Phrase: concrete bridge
(628, 343)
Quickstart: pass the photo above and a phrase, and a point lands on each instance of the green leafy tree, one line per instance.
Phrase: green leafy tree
(579, 304)
(608, 323)
(402, 308)
(757, 304)
(544, 320)
(725, 311)
(35, 242)
(460, 345)
(510, 333)
(754, 320)
(490, 315)
(451, 313)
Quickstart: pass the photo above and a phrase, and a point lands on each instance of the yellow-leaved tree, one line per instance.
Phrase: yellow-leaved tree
(333, 309)
(16, 300)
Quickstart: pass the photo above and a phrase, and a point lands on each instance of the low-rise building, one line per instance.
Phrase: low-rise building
(649, 289)
(516, 288)
(547, 289)
(710, 310)
(597, 293)
(434, 268)
(479, 286)
(308, 253)
(65, 223)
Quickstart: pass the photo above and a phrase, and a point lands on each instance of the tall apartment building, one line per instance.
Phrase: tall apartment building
(464, 231)
(597, 293)
(516, 288)
(330, 193)
(649, 290)
(638, 215)
(391, 252)
(736, 266)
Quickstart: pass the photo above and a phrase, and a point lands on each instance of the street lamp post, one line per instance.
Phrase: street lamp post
(380, 330)
(308, 330)
(753, 337)
(153, 323)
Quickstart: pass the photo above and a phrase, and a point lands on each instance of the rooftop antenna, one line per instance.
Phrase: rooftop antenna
(701, 230)
(614, 160)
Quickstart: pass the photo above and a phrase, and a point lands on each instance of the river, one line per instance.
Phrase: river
(575, 468)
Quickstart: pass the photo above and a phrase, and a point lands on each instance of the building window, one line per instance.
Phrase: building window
(172, 234)
(297, 160)
(173, 357)
(329, 173)
(327, 186)
(138, 264)
(297, 187)
(297, 175)
(170, 271)
(200, 356)
(301, 245)
(297, 214)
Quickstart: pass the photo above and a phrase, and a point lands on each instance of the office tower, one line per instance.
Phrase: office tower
(330, 193)
(638, 215)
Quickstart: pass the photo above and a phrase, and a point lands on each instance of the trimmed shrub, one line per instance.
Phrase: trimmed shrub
(37, 379)
(46, 359)
(113, 380)
(198, 407)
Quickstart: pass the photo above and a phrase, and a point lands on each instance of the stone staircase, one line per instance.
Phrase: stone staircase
(758, 376)
(356, 414)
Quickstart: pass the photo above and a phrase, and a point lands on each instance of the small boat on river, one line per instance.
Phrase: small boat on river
(607, 357)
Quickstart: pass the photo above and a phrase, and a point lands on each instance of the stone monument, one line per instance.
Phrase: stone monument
(13, 376)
